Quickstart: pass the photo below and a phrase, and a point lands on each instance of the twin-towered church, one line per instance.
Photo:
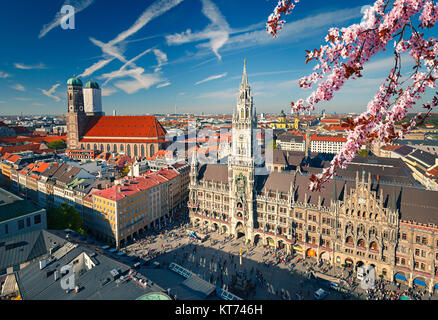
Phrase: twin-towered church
(89, 129)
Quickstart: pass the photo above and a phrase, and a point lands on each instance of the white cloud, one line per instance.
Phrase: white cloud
(143, 81)
(217, 31)
(155, 10)
(18, 87)
(161, 58)
(122, 72)
(25, 67)
(212, 78)
(79, 5)
(22, 99)
(162, 85)
(38, 104)
(4, 75)
(97, 66)
(108, 91)
(385, 64)
(115, 49)
(293, 31)
(50, 92)
(223, 94)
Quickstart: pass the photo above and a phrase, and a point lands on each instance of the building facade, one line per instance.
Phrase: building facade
(349, 223)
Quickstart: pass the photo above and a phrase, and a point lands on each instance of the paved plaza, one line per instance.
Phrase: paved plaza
(260, 273)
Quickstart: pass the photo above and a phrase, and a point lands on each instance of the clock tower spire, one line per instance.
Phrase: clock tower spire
(241, 162)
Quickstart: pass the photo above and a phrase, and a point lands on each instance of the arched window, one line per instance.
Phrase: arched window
(122, 148)
(115, 148)
(142, 150)
(349, 240)
(361, 229)
(101, 148)
(128, 149)
(361, 243)
(373, 232)
(95, 147)
(373, 246)
(88, 146)
(152, 150)
(135, 150)
(108, 148)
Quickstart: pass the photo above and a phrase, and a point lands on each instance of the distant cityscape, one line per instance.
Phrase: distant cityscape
(177, 207)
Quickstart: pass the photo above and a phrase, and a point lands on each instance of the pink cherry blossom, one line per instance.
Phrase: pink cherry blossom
(346, 54)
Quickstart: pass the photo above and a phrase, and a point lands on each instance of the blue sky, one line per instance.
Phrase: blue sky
(152, 55)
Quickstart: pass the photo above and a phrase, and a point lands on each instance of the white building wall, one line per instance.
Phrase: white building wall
(92, 100)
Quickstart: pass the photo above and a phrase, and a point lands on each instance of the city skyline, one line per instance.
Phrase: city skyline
(148, 59)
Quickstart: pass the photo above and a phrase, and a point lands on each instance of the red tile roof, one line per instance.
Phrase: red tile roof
(124, 127)
(113, 140)
(131, 186)
(22, 139)
(20, 148)
(41, 167)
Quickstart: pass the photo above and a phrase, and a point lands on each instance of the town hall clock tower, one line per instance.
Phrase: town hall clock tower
(241, 163)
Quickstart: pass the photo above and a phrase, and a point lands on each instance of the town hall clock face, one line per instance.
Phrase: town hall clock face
(240, 183)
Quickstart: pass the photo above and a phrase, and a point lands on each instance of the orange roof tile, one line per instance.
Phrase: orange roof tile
(124, 126)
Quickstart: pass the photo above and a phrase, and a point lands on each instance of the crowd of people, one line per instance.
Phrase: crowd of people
(382, 292)
(221, 266)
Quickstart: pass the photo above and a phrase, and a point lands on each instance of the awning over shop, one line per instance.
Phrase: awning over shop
(400, 277)
(420, 283)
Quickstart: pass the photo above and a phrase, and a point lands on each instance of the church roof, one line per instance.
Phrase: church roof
(124, 127)
(92, 84)
(74, 82)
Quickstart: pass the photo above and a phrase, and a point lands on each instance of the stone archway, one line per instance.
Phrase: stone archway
(400, 277)
(420, 282)
(240, 230)
(358, 264)
(224, 229)
(311, 253)
(349, 263)
(324, 256)
(214, 227)
(270, 242)
(281, 244)
(257, 239)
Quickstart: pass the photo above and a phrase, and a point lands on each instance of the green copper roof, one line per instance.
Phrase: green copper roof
(154, 296)
(74, 82)
(92, 84)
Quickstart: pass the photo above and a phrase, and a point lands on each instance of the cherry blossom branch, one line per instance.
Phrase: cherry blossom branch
(343, 58)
